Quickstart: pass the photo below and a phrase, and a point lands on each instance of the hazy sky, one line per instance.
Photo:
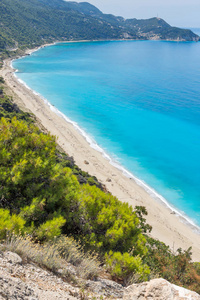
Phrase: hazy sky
(182, 13)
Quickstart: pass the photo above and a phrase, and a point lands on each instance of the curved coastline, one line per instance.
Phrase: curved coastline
(93, 144)
(171, 211)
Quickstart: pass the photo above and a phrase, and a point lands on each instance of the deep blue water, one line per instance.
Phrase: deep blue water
(139, 100)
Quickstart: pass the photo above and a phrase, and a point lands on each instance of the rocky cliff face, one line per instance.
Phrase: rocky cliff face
(159, 289)
(27, 281)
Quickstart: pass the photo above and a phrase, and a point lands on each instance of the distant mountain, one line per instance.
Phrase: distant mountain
(29, 23)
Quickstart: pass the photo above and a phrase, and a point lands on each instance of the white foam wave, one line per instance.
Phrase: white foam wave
(183, 217)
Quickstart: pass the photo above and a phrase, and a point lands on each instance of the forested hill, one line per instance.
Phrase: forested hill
(33, 22)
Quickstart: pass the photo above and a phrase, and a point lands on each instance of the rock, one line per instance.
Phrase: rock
(13, 257)
(86, 162)
(30, 282)
(108, 180)
(60, 271)
(14, 288)
(105, 287)
(159, 289)
(71, 270)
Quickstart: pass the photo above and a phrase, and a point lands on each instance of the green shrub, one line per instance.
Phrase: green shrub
(10, 223)
(197, 267)
(29, 174)
(125, 266)
(177, 268)
(50, 229)
(109, 223)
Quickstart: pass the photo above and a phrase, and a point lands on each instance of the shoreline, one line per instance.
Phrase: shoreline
(167, 226)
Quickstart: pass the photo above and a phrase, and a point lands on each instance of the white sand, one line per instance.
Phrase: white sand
(167, 226)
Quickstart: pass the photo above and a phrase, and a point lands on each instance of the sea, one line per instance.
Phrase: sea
(138, 102)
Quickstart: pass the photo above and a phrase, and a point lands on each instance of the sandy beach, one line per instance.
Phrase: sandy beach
(167, 226)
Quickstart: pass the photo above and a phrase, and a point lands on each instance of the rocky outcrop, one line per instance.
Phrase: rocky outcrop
(105, 287)
(159, 289)
(12, 257)
(14, 288)
(27, 281)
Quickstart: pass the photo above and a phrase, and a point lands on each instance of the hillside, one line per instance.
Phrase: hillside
(46, 198)
(30, 23)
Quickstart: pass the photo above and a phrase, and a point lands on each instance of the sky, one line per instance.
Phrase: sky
(181, 13)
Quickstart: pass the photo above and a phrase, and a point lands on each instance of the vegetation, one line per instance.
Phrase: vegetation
(13, 223)
(46, 200)
(55, 256)
(30, 23)
(174, 267)
(126, 266)
(9, 109)
(43, 192)
(161, 29)
(57, 218)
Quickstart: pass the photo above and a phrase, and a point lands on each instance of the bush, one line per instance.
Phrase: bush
(10, 223)
(177, 268)
(30, 178)
(109, 223)
(50, 229)
(126, 267)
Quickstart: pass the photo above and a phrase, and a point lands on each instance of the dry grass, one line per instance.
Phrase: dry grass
(55, 256)
(87, 264)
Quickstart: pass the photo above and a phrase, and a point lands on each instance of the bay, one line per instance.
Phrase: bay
(140, 102)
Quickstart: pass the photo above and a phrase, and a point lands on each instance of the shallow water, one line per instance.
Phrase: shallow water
(139, 100)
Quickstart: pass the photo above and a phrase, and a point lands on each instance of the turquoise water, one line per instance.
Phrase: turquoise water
(139, 100)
